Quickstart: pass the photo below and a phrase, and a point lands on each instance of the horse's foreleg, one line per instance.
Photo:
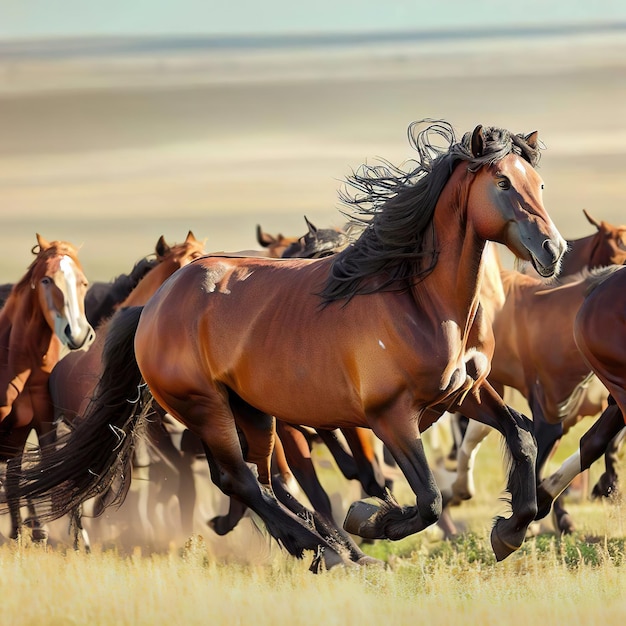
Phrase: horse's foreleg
(223, 524)
(344, 459)
(13, 469)
(592, 445)
(463, 487)
(487, 407)
(78, 531)
(370, 473)
(375, 518)
(11, 448)
(297, 459)
(606, 486)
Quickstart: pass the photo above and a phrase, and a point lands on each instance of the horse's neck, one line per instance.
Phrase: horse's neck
(455, 281)
(148, 285)
(492, 296)
(25, 331)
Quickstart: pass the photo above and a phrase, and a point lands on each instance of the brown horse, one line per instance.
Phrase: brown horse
(600, 334)
(42, 318)
(387, 334)
(74, 378)
(314, 244)
(103, 298)
(607, 246)
(536, 354)
(604, 247)
(275, 244)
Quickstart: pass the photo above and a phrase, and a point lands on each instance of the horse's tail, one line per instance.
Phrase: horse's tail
(95, 456)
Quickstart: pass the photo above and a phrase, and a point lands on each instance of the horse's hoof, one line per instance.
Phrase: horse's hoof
(39, 535)
(563, 524)
(501, 548)
(460, 493)
(361, 518)
(220, 525)
(606, 487)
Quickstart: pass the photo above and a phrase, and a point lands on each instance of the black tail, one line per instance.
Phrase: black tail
(96, 453)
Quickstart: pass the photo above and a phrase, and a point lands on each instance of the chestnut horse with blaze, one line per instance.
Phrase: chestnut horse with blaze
(44, 315)
(387, 334)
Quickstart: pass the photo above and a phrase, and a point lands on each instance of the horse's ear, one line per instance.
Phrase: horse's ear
(591, 220)
(44, 244)
(263, 238)
(162, 248)
(312, 228)
(532, 139)
(190, 238)
(478, 141)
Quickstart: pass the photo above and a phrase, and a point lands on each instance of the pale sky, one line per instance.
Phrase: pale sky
(22, 19)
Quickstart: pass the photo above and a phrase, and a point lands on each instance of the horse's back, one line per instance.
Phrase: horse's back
(232, 322)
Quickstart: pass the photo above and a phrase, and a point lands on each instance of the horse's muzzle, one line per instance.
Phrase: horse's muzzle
(550, 264)
(80, 341)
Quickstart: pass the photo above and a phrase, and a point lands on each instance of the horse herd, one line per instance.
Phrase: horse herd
(358, 337)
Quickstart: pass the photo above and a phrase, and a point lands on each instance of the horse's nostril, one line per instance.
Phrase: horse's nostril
(551, 249)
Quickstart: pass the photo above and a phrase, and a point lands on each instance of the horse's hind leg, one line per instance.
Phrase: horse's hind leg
(213, 421)
(259, 434)
(606, 486)
(463, 487)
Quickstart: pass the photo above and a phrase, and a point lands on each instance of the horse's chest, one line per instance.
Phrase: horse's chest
(451, 363)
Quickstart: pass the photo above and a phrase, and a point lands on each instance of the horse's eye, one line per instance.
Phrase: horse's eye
(504, 183)
(46, 280)
(542, 185)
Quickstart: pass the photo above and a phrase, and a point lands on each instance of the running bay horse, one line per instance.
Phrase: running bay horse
(600, 334)
(387, 334)
(43, 316)
(606, 246)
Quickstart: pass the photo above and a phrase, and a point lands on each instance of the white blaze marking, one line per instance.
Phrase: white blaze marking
(71, 308)
(381, 344)
(518, 164)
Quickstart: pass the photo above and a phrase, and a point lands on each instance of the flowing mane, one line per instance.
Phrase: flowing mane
(394, 208)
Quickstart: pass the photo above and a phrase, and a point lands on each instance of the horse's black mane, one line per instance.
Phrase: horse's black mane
(395, 208)
(102, 297)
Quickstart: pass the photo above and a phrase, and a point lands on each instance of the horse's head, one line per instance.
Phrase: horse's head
(609, 243)
(276, 245)
(504, 202)
(169, 258)
(57, 277)
(179, 254)
(317, 243)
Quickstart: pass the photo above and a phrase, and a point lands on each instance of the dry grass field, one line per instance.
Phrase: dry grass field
(112, 152)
